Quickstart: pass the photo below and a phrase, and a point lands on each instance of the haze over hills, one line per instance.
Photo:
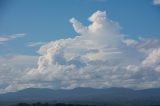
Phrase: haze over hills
(111, 96)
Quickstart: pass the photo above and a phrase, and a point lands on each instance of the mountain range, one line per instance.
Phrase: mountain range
(108, 96)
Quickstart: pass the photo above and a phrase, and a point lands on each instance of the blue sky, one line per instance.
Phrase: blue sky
(43, 21)
(64, 44)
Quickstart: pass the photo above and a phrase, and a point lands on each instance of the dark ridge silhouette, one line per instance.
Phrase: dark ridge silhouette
(47, 104)
(109, 96)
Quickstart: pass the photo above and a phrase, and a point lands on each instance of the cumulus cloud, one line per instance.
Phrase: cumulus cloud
(12, 68)
(153, 58)
(99, 57)
(130, 42)
(5, 38)
(156, 2)
(145, 45)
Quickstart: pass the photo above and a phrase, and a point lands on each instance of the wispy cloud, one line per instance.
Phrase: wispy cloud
(35, 44)
(96, 0)
(19, 35)
(5, 38)
(100, 0)
(156, 2)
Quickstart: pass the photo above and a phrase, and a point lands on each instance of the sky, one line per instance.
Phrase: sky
(64, 44)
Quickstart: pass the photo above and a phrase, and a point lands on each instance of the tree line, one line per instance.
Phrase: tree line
(47, 104)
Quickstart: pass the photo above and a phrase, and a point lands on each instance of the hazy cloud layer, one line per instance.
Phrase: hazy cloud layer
(99, 56)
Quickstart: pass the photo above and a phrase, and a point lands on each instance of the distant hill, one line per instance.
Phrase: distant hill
(108, 96)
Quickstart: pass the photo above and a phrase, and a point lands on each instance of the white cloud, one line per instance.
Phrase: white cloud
(153, 58)
(6, 38)
(156, 2)
(12, 68)
(3, 39)
(35, 44)
(99, 57)
(97, 0)
(146, 45)
(130, 42)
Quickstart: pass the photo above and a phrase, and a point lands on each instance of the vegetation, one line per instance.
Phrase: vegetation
(47, 104)
(62, 104)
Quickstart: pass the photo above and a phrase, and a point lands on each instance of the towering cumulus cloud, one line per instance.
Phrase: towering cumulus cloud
(100, 56)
